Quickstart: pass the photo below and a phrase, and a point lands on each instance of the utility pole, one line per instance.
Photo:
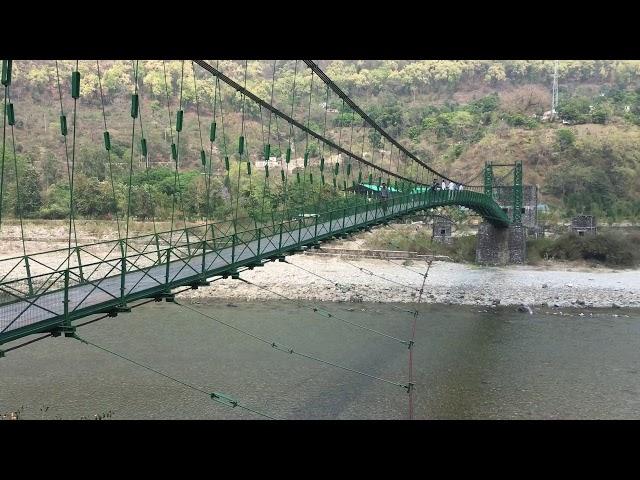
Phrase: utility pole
(554, 93)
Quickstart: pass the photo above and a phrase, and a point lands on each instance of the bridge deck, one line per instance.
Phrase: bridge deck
(47, 310)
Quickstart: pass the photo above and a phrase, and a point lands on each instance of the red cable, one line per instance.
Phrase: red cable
(411, 343)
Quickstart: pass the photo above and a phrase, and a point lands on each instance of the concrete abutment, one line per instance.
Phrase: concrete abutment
(501, 246)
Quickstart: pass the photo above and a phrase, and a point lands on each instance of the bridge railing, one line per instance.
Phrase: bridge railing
(216, 234)
(63, 282)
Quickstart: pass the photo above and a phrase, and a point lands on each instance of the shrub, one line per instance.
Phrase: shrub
(519, 120)
(54, 212)
(607, 248)
(537, 249)
(464, 248)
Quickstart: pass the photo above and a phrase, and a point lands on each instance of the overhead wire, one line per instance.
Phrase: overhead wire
(290, 350)
(326, 314)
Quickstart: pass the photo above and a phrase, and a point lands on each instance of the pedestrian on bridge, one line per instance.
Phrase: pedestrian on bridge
(444, 184)
(452, 188)
(384, 195)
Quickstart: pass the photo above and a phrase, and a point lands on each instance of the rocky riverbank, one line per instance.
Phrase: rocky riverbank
(391, 281)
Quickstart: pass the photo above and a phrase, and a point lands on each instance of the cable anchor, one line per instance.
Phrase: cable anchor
(225, 400)
(282, 348)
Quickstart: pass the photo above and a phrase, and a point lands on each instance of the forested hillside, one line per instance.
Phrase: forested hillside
(455, 115)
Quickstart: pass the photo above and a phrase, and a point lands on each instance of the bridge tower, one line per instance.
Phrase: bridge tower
(501, 246)
(517, 193)
(488, 179)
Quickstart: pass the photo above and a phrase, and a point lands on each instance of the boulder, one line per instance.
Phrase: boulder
(522, 308)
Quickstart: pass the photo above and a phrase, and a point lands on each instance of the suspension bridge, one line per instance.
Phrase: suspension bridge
(50, 292)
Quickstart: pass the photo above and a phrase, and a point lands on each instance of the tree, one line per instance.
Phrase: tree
(51, 170)
(375, 138)
(92, 198)
(574, 109)
(93, 161)
(117, 79)
(142, 201)
(30, 197)
(495, 74)
(485, 104)
(565, 139)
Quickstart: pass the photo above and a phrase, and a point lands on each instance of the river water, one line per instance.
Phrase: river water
(469, 363)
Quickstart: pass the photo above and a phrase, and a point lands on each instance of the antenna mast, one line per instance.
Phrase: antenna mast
(554, 93)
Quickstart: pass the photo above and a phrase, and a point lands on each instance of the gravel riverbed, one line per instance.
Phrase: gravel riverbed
(553, 284)
(391, 281)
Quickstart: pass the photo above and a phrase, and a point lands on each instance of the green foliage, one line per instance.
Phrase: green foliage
(93, 161)
(30, 187)
(537, 249)
(92, 198)
(423, 101)
(458, 149)
(486, 104)
(51, 171)
(275, 151)
(565, 139)
(599, 176)
(375, 138)
(54, 212)
(344, 119)
(56, 204)
(458, 125)
(414, 132)
(606, 248)
(520, 120)
(462, 249)
(118, 78)
(574, 109)
(313, 149)
(388, 116)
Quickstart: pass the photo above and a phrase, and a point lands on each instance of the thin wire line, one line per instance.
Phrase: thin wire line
(369, 272)
(146, 367)
(290, 350)
(328, 315)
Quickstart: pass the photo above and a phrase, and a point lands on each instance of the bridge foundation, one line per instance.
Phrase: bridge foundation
(501, 246)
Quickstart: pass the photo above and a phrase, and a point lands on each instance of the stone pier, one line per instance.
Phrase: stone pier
(501, 246)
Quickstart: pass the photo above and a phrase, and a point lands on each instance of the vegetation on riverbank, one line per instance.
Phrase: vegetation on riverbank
(462, 249)
(611, 249)
(454, 114)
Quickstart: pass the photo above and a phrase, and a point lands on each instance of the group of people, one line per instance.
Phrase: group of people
(435, 186)
(451, 186)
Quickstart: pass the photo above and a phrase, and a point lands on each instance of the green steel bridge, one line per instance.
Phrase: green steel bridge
(50, 291)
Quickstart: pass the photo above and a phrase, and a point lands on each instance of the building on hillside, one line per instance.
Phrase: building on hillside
(583, 225)
(332, 159)
(273, 162)
(442, 227)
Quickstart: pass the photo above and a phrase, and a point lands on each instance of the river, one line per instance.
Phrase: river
(469, 363)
